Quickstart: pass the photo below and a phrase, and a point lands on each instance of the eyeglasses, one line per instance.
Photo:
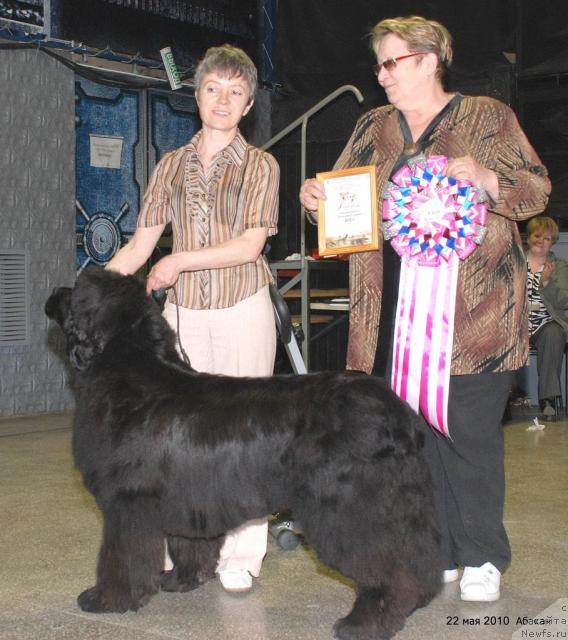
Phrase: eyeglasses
(390, 63)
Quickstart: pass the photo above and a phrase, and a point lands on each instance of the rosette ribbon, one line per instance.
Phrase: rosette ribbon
(433, 223)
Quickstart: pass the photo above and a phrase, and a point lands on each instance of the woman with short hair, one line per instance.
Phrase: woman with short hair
(547, 293)
(483, 144)
(221, 196)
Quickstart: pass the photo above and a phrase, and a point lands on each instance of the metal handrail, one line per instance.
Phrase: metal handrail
(303, 121)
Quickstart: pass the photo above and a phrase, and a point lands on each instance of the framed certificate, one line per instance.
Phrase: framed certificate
(347, 218)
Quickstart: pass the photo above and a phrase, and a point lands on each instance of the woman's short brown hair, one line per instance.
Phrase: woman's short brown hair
(542, 224)
(228, 61)
(420, 34)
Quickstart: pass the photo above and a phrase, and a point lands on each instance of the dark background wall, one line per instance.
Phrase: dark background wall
(304, 49)
(542, 92)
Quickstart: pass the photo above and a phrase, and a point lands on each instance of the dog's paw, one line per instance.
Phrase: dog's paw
(204, 575)
(346, 629)
(95, 601)
(171, 581)
(92, 600)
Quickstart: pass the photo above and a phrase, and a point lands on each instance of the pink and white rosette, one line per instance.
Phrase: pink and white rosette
(433, 222)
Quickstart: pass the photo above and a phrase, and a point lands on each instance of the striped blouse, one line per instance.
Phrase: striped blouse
(538, 313)
(239, 191)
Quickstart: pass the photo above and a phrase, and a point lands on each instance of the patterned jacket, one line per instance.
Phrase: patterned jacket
(491, 322)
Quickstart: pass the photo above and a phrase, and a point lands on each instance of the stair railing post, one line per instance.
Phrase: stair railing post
(304, 270)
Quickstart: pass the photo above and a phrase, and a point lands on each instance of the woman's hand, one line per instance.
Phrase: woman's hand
(466, 168)
(240, 250)
(310, 192)
(547, 273)
(163, 274)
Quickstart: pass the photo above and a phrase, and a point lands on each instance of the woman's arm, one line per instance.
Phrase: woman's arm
(312, 191)
(523, 187)
(244, 248)
(152, 218)
(556, 290)
(134, 254)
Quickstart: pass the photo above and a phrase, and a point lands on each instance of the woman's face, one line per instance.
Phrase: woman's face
(406, 81)
(540, 243)
(223, 101)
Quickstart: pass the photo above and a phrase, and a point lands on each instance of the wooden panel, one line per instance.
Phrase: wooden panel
(318, 293)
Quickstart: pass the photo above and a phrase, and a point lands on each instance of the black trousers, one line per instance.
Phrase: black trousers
(469, 471)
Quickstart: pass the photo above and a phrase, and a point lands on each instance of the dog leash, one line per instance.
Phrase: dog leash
(182, 350)
(159, 295)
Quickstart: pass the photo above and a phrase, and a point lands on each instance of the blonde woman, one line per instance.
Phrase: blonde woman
(547, 293)
(485, 145)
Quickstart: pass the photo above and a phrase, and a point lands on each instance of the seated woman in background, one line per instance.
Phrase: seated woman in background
(547, 292)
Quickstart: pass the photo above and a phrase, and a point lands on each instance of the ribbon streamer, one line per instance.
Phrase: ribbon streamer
(433, 222)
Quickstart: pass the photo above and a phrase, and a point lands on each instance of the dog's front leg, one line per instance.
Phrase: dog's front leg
(195, 560)
(130, 558)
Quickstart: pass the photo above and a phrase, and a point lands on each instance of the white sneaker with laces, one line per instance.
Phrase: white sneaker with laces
(235, 580)
(480, 584)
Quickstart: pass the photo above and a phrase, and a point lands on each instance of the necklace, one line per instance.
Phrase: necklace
(412, 148)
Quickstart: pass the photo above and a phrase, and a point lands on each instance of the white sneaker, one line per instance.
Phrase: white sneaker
(450, 575)
(236, 580)
(480, 584)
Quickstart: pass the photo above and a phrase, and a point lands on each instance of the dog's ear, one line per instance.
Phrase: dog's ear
(58, 305)
(84, 330)
(82, 343)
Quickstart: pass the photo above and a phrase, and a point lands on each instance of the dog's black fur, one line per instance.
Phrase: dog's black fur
(172, 453)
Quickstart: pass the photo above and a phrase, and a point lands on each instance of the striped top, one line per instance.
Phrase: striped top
(538, 313)
(239, 191)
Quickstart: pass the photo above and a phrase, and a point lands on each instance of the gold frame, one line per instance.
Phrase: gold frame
(360, 203)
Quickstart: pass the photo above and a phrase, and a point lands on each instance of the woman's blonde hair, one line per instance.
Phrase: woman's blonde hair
(228, 61)
(542, 224)
(420, 34)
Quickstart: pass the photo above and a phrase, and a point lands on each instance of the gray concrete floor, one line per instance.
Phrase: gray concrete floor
(50, 530)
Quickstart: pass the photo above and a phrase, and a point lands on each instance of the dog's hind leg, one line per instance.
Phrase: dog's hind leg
(388, 587)
(195, 560)
(380, 612)
(130, 558)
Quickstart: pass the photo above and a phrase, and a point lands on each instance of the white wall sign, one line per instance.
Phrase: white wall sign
(106, 151)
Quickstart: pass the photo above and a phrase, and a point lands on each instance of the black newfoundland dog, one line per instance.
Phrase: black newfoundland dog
(173, 454)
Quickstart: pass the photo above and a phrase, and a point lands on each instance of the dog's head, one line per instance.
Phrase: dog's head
(101, 307)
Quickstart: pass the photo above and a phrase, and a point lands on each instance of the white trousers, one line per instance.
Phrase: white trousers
(237, 341)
